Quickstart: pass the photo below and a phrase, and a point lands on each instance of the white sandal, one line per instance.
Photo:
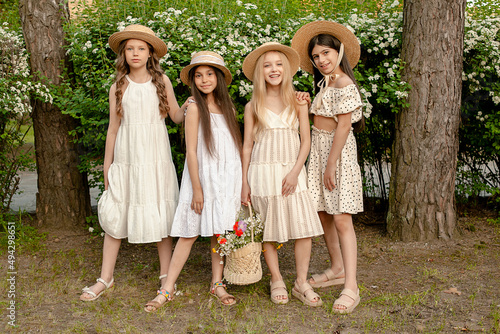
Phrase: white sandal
(108, 287)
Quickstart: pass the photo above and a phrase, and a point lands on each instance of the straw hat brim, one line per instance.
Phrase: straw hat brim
(303, 36)
(158, 45)
(251, 59)
(185, 72)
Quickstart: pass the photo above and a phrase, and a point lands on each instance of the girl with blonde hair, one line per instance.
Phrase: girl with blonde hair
(275, 148)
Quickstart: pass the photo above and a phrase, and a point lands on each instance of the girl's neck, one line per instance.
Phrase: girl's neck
(139, 76)
(210, 98)
(273, 91)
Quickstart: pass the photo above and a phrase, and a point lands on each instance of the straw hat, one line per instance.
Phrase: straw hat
(251, 59)
(137, 31)
(208, 58)
(303, 36)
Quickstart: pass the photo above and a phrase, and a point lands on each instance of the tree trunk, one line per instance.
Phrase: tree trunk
(422, 187)
(63, 198)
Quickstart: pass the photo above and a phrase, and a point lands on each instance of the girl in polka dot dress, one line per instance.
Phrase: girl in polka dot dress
(329, 51)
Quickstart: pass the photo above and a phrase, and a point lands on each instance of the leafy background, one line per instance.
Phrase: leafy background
(233, 29)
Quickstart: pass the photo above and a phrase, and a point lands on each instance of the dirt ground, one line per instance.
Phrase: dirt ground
(420, 287)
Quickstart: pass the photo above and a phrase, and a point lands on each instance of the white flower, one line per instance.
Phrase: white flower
(250, 6)
(91, 229)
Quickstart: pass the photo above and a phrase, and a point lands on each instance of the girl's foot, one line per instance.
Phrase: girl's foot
(162, 297)
(347, 302)
(96, 290)
(218, 289)
(306, 294)
(279, 295)
(327, 278)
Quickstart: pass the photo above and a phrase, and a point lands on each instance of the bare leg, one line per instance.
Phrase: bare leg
(179, 258)
(217, 271)
(271, 257)
(347, 237)
(165, 255)
(332, 244)
(302, 258)
(110, 250)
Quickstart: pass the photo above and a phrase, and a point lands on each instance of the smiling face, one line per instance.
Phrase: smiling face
(272, 68)
(136, 53)
(325, 58)
(205, 79)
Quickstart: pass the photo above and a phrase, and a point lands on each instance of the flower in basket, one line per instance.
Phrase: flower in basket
(241, 234)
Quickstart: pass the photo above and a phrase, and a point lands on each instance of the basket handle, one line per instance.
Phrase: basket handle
(249, 205)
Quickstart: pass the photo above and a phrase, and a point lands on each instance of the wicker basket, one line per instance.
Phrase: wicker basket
(243, 266)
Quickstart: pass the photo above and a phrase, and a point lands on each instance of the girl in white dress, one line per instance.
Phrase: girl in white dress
(274, 176)
(141, 188)
(209, 198)
(330, 51)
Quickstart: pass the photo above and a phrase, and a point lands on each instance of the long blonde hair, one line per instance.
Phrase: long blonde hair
(260, 91)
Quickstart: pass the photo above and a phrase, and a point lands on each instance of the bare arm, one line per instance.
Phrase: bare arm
(114, 125)
(291, 179)
(192, 122)
(246, 153)
(176, 113)
(339, 139)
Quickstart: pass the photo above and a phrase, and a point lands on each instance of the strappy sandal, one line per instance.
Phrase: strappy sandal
(306, 294)
(349, 307)
(332, 279)
(225, 296)
(155, 304)
(278, 288)
(108, 288)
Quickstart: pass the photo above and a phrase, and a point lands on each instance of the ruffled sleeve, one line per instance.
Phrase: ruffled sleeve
(337, 101)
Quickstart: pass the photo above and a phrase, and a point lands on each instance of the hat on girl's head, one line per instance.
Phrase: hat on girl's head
(303, 36)
(137, 31)
(208, 58)
(251, 59)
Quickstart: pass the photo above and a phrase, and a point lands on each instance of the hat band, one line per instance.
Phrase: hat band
(201, 59)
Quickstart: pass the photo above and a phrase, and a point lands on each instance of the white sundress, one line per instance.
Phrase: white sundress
(220, 177)
(143, 189)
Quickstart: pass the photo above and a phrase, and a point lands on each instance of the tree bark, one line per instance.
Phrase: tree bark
(63, 198)
(422, 187)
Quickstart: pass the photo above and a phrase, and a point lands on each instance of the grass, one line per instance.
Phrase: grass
(401, 290)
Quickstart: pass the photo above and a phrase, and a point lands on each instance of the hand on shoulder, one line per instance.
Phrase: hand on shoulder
(303, 98)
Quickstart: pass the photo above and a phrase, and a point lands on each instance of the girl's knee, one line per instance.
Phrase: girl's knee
(343, 223)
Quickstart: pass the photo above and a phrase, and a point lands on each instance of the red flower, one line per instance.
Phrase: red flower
(235, 226)
(222, 241)
(217, 235)
(238, 232)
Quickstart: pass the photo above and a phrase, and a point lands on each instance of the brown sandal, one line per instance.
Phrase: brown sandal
(155, 304)
(225, 296)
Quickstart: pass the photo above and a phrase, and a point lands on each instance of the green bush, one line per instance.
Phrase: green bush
(234, 28)
(16, 89)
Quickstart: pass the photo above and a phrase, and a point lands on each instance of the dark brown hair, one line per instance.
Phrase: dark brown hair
(223, 100)
(154, 69)
(332, 42)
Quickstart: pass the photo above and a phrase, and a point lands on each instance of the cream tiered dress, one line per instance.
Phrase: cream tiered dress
(274, 154)
(347, 197)
(143, 189)
(220, 178)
